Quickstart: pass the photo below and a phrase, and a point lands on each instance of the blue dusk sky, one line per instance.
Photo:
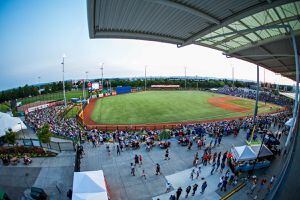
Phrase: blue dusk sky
(34, 35)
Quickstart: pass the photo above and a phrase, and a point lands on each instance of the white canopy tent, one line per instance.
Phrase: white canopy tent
(9, 122)
(289, 122)
(89, 185)
(243, 153)
(263, 150)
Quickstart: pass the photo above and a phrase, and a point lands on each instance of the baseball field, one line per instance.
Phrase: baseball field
(153, 107)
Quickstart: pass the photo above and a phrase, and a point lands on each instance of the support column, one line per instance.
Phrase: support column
(296, 102)
(257, 95)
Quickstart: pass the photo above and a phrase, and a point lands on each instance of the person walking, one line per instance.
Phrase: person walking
(195, 187)
(94, 142)
(188, 189)
(167, 154)
(219, 156)
(272, 180)
(203, 187)
(121, 146)
(108, 150)
(132, 169)
(220, 181)
(222, 167)
(143, 174)
(218, 165)
(197, 174)
(213, 169)
(215, 142)
(168, 187)
(118, 150)
(262, 184)
(214, 157)
(219, 139)
(190, 145)
(192, 174)
(172, 197)
(140, 160)
(178, 193)
(157, 170)
(224, 184)
(136, 160)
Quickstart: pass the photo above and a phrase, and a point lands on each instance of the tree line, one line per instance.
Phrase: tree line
(34, 90)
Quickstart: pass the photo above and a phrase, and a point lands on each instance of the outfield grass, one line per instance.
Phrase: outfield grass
(165, 106)
(53, 97)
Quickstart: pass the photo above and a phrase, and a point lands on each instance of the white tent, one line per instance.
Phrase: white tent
(263, 151)
(289, 122)
(9, 122)
(89, 185)
(243, 153)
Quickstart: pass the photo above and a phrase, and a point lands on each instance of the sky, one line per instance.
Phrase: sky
(34, 35)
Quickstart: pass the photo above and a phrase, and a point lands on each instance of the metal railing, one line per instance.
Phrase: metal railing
(57, 146)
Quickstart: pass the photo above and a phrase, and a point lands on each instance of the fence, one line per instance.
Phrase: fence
(57, 146)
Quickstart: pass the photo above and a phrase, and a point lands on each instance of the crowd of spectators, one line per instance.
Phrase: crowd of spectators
(57, 124)
(264, 96)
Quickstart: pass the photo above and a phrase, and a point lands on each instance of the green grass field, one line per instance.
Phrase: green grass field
(52, 97)
(166, 106)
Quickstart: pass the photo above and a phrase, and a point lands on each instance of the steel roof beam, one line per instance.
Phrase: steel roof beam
(271, 54)
(276, 12)
(262, 42)
(252, 30)
(277, 57)
(137, 35)
(235, 31)
(235, 17)
(188, 9)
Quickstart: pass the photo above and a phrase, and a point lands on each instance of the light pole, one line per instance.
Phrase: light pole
(232, 76)
(257, 95)
(101, 68)
(145, 78)
(63, 74)
(39, 82)
(86, 80)
(185, 78)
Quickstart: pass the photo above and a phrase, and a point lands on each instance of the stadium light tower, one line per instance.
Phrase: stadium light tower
(63, 72)
(39, 82)
(85, 80)
(145, 78)
(102, 75)
(185, 77)
(232, 76)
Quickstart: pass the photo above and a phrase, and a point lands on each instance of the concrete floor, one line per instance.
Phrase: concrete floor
(57, 172)
(123, 186)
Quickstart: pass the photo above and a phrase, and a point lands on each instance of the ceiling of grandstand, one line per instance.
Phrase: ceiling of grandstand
(235, 27)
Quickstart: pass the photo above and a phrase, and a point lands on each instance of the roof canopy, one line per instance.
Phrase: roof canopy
(89, 185)
(205, 22)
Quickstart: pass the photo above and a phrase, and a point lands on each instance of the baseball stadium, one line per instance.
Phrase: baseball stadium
(72, 128)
